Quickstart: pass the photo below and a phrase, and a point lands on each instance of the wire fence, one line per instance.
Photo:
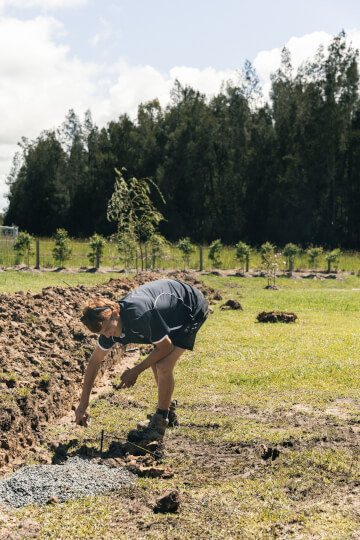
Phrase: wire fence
(171, 258)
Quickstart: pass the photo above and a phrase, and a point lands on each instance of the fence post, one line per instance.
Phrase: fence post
(201, 258)
(37, 254)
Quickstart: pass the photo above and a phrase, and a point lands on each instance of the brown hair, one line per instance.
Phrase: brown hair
(96, 311)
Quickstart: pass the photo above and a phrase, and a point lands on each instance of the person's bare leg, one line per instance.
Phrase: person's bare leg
(155, 374)
(165, 377)
(155, 429)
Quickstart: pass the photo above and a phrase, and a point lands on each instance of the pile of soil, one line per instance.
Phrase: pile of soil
(44, 351)
(276, 316)
(231, 304)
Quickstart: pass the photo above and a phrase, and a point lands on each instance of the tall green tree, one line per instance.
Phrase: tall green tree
(39, 198)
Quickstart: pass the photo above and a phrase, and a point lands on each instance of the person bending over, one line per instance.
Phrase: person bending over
(166, 313)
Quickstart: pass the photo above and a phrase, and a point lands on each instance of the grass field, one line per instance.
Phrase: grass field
(247, 388)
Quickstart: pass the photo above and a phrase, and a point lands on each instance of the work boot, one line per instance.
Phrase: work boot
(173, 419)
(144, 423)
(155, 431)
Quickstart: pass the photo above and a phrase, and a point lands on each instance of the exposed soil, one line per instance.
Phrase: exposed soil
(44, 350)
(231, 304)
(276, 316)
(320, 275)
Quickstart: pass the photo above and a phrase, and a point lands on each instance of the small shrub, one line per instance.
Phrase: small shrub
(158, 245)
(126, 246)
(332, 258)
(215, 252)
(290, 251)
(97, 245)
(62, 250)
(23, 245)
(186, 248)
(242, 254)
(270, 262)
(314, 253)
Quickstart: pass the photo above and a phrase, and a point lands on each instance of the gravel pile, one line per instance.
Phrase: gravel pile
(75, 478)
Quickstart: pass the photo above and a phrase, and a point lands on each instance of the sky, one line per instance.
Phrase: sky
(111, 55)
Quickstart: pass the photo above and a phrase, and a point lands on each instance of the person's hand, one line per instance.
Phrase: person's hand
(128, 378)
(82, 415)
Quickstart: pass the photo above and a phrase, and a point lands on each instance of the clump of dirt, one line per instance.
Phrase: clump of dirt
(168, 502)
(276, 316)
(269, 452)
(144, 461)
(44, 351)
(231, 304)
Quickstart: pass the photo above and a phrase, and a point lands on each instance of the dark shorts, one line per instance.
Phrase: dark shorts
(185, 337)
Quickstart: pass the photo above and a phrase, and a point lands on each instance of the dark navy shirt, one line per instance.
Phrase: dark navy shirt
(156, 310)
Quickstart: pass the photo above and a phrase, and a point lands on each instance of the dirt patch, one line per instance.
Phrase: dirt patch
(231, 304)
(44, 351)
(320, 275)
(276, 316)
(168, 502)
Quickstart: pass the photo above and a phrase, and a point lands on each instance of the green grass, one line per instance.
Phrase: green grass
(246, 384)
(12, 281)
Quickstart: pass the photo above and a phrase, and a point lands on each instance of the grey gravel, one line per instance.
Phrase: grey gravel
(73, 479)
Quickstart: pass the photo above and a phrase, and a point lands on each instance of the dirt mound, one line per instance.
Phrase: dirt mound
(44, 350)
(276, 316)
(231, 304)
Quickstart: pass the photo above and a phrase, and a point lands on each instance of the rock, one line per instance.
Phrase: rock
(168, 502)
(53, 500)
(268, 452)
(149, 472)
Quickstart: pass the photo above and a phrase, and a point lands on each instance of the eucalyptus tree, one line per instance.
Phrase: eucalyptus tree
(133, 210)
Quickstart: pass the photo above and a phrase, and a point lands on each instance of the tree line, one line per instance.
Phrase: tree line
(233, 167)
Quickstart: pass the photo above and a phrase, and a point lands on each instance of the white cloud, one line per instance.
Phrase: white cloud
(94, 41)
(135, 85)
(301, 49)
(46, 5)
(106, 33)
(207, 81)
(39, 83)
(266, 62)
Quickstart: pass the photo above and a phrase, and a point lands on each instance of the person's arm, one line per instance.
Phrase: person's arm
(162, 349)
(83, 411)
